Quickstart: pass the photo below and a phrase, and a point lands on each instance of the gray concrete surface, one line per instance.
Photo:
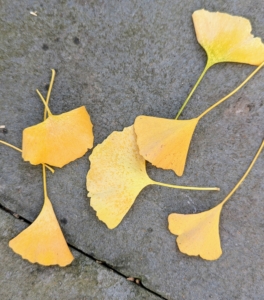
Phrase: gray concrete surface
(84, 279)
(121, 59)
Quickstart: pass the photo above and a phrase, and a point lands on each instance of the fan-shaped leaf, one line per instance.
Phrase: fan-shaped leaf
(164, 142)
(59, 139)
(198, 234)
(227, 38)
(116, 176)
(43, 242)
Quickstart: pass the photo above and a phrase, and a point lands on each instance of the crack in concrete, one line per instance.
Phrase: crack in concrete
(136, 281)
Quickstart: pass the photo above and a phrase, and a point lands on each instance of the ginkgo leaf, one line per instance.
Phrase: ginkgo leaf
(227, 38)
(43, 242)
(117, 175)
(164, 142)
(58, 140)
(198, 234)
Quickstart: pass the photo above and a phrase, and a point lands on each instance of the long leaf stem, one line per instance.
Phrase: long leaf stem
(207, 66)
(186, 187)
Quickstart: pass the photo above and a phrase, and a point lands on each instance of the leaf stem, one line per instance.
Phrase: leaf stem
(207, 66)
(233, 92)
(11, 146)
(186, 187)
(53, 73)
(245, 175)
(44, 182)
(50, 168)
(44, 102)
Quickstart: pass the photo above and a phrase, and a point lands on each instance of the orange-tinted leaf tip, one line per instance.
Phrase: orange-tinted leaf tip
(116, 176)
(227, 38)
(43, 241)
(198, 234)
(59, 139)
(164, 142)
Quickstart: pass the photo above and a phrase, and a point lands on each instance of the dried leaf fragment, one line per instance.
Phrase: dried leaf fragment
(34, 13)
(164, 142)
(227, 38)
(43, 242)
(58, 140)
(131, 279)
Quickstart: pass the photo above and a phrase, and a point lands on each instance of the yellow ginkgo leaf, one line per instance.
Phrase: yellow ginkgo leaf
(227, 38)
(59, 139)
(117, 175)
(198, 234)
(43, 242)
(164, 142)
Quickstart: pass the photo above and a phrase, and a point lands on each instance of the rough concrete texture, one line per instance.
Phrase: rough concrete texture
(83, 279)
(121, 59)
